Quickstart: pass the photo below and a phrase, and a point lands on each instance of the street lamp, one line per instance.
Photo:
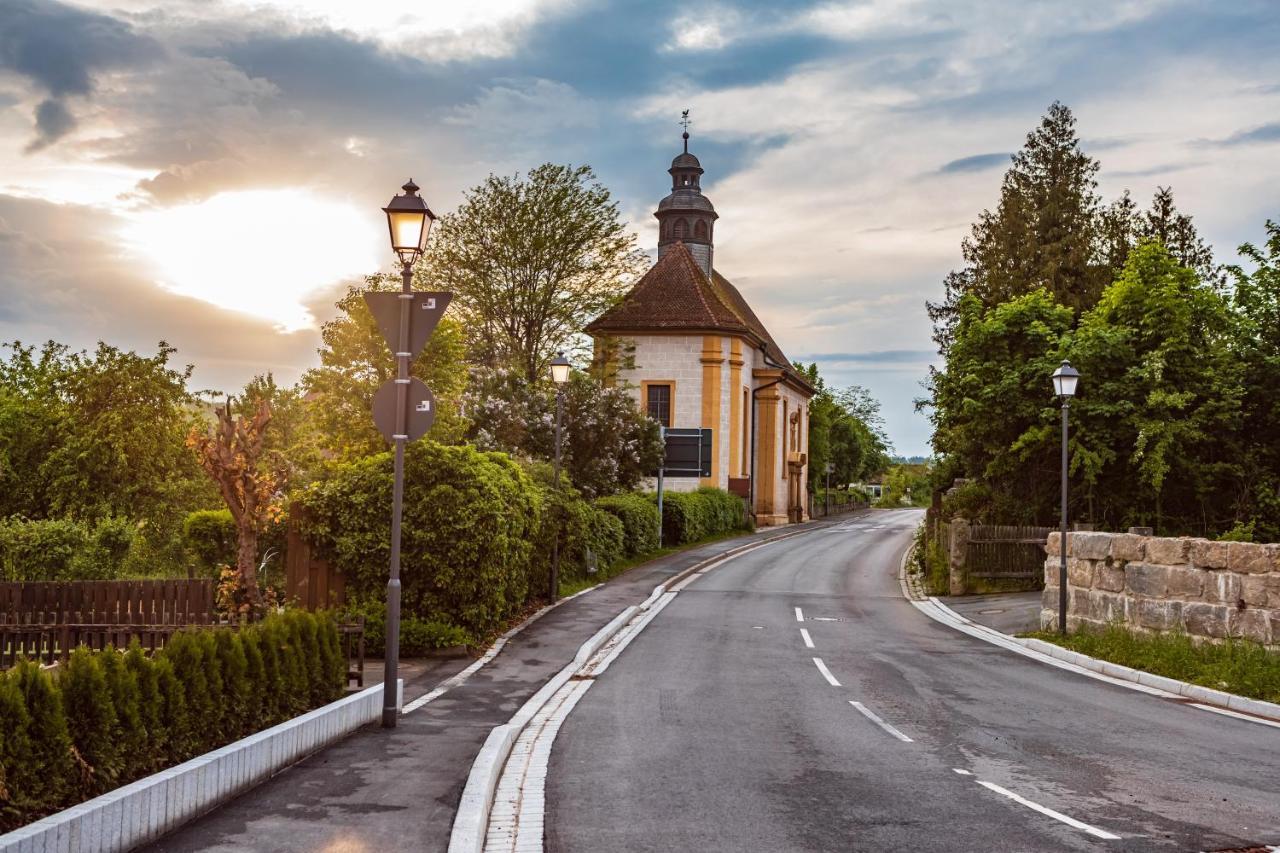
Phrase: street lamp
(560, 376)
(1065, 379)
(409, 222)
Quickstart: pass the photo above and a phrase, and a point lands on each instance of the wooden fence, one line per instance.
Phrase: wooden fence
(1003, 551)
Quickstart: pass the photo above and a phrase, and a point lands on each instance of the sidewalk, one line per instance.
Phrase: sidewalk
(1006, 612)
(398, 790)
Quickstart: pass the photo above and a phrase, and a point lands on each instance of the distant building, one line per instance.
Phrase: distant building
(695, 355)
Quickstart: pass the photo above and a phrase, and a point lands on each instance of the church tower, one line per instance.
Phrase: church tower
(686, 215)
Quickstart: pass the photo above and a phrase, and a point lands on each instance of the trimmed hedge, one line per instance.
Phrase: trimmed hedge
(109, 717)
(581, 526)
(690, 516)
(62, 549)
(471, 523)
(417, 636)
(639, 517)
(210, 537)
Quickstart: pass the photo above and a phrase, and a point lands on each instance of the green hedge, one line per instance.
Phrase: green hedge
(417, 636)
(690, 516)
(581, 526)
(106, 718)
(210, 537)
(62, 549)
(639, 517)
(471, 521)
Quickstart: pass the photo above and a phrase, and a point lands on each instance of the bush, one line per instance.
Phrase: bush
(61, 549)
(417, 636)
(210, 538)
(109, 717)
(470, 524)
(639, 517)
(693, 516)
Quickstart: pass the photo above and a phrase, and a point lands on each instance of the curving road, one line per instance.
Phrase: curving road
(721, 729)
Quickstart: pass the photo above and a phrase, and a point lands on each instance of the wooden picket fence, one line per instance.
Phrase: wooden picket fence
(1005, 551)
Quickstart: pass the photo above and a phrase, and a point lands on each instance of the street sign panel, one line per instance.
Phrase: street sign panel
(688, 453)
(425, 311)
(421, 409)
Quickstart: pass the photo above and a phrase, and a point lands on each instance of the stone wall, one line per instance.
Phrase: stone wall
(1203, 588)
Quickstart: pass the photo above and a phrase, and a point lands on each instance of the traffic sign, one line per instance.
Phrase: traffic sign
(687, 452)
(425, 309)
(420, 411)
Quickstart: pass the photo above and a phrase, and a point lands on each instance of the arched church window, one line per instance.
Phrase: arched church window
(682, 229)
(700, 230)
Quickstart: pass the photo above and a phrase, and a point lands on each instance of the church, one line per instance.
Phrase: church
(694, 354)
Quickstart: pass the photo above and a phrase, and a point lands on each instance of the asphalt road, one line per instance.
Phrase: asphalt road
(716, 730)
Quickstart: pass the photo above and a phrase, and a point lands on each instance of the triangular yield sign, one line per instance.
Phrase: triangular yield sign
(425, 310)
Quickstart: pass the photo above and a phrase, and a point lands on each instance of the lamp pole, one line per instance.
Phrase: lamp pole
(409, 220)
(1065, 379)
(560, 376)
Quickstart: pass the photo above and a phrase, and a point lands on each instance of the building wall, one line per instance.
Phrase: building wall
(676, 359)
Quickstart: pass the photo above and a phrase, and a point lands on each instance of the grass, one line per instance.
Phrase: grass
(569, 587)
(1236, 666)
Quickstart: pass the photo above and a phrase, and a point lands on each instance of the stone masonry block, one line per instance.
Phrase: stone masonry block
(1109, 577)
(1205, 620)
(1106, 608)
(1051, 545)
(1157, 615)
(1077, 602)
(1129, 547)
(1209, 555)
(1253, 589)
(1089, 546)
(1049, 598)
(1186, 581)
(1251, 625)
(1079, 572)
(1146, 579)
(1168, 552)
(1251, 559)
(1222, 588)
(1273, 593)
(1048, 620)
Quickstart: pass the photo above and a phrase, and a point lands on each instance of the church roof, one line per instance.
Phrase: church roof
(676, 295)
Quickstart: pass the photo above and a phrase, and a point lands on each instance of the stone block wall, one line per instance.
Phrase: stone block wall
(1206, 589)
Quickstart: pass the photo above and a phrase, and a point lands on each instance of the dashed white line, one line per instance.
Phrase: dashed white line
(873, 717)
(808, 641)
(961, 772)
(1048, 812)
(826, 673)
(799, 615)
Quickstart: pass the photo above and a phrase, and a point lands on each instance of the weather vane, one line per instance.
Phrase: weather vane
(685, 122)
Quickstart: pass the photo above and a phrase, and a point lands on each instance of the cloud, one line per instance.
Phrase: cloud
(976, 163)
(894, 356)
(1265, 133)
(53, 121)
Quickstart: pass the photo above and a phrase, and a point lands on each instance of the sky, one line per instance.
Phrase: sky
(210, 172)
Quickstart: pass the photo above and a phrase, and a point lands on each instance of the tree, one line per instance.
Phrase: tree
(608, 444)
(1255, 302)
(530, 261)
(232, 455)
(355, 361)
(846, 430)
(1041, 235)
(1122, 227)
(1158, 416)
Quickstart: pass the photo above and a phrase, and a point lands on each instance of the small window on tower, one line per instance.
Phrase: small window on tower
(657, 403)
(700, 230)
(682, 229)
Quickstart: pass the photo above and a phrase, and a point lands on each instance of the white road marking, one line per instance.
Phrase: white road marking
(825, 619)
(1227, 712)
(962, 772)
(1048, 812)
(808, 641)
(826, 673)
(873, 717)
(799, 615)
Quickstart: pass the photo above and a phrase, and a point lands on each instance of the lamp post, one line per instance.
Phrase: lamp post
(409, 222)
(560, 376)
(1065, 379)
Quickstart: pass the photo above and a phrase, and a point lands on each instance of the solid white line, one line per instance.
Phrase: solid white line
(1069, 821)
(808, 641)
(1227, 712)
(870, 715)
(799, 615)
(826, 673)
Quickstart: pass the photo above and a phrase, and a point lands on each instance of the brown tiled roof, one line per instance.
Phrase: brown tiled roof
(675, 294)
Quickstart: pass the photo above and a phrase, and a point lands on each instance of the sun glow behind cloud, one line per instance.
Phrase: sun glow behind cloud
(258, 252)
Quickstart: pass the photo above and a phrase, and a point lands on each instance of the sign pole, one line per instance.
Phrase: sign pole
(661, 467)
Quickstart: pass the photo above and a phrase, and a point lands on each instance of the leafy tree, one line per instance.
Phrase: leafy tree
(1041, 235)
(1158, 414)
(355, 361)
(845, 429)
(530, 261)
(608, 444)
(1256, 306)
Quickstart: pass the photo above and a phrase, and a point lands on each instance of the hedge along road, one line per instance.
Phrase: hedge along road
(399, 790)
(792, 699)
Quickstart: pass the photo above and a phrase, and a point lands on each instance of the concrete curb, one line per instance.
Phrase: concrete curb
(471, 823)
(147, 809)
(1114, 673)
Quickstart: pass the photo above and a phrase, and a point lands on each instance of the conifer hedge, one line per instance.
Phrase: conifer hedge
(107, 718)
